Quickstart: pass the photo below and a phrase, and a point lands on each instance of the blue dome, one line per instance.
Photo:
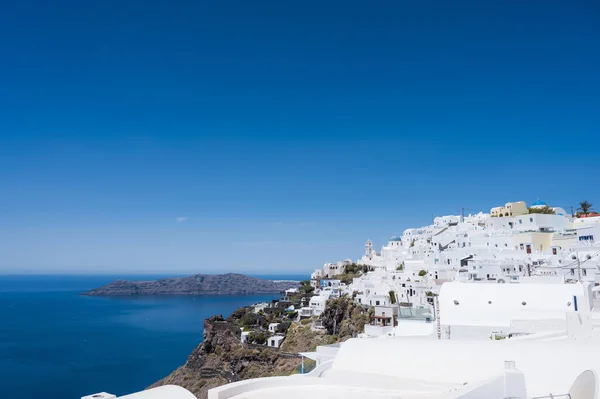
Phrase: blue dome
(539, 203)
(395, 238)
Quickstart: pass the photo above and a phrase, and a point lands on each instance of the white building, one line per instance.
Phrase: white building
(495, 307)
(318, 304)
(275, 341)
(273, 327)
(244, 336)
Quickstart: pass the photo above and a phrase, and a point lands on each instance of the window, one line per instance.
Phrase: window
(553, 251)
(506, 245)
(520, 221)
(572, 272)
(531, 220)
(584, 272)
(522, 246)
(376, 302)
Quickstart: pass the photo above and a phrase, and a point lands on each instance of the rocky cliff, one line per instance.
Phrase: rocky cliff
(199, 284)
(222, 358)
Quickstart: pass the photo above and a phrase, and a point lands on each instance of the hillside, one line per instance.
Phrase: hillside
(199, 284)
(222, 358)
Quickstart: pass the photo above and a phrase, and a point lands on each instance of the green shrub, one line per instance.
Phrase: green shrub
(423, 273)
(292, 314)
(257, 337)
(392, 297)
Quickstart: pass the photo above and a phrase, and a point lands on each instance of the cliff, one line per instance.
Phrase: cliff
(199, 284)
(221, 358)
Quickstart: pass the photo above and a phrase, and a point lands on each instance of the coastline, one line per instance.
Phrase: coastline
(86, 338)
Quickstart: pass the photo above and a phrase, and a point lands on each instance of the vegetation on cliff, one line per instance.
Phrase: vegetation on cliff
(222, 357)
(344, 318)
(352, 271)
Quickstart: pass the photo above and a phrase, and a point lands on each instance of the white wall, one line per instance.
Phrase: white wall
(548, 366)
(493, 304)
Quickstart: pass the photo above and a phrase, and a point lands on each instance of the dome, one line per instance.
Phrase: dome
(538, 203)
(395, 238)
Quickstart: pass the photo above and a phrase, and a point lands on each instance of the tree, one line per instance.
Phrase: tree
(423, 273)
(306, 288)
(400, 266)
(412, 243)
(259, 338)
(345, 278)
(392, 297)
(585, 207)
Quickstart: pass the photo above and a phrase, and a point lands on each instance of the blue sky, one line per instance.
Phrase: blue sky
(285, 134)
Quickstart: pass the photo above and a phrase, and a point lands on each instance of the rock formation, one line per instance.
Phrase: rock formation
(222, 358)
(199, 284)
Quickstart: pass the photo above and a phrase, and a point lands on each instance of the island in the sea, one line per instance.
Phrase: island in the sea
(199, 284)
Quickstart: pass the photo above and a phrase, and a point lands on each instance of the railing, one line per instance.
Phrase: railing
(305, 369)
(551, 396)
(416, 313)
(290, 355)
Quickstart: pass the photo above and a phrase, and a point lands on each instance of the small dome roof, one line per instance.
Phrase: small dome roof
(395, 238)
(539, 203)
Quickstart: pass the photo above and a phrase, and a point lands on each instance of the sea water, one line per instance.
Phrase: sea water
(56, 344)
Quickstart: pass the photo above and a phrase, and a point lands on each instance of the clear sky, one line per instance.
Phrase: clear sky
(274, 136)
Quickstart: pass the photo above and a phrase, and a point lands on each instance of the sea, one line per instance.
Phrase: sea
(56, 344)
